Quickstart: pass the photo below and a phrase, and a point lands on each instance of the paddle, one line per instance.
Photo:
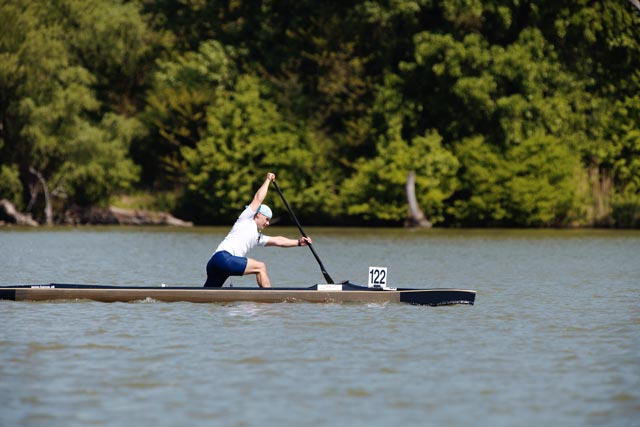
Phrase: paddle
(324, 271)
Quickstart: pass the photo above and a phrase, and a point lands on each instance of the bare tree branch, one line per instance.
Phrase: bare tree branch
(48, 211)
(416, 217)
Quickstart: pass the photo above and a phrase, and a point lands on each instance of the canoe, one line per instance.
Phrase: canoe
(341, 293)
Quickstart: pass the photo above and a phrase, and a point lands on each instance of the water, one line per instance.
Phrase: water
(554, 336)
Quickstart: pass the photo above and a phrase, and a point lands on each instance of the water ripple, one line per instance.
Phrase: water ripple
(553, 338)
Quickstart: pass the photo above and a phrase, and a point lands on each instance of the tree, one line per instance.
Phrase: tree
(175, 115)
(246, 136)
(376, 190)
(53, 128)
(532, 184)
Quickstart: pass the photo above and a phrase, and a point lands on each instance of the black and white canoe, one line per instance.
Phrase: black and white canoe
(344, 292)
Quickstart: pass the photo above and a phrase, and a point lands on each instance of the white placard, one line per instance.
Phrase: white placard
(378, 277)
(328, 287)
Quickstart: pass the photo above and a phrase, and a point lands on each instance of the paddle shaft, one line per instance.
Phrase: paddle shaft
(326, 275)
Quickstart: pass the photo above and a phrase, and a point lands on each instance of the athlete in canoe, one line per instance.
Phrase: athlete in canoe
(230, 258)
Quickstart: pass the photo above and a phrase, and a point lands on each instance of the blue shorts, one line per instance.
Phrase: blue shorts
(221, 266)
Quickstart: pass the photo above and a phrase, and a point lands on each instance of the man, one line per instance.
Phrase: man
(230, 258)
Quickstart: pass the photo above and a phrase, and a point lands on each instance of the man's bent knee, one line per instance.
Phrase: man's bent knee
(254, 267)
(260, 270)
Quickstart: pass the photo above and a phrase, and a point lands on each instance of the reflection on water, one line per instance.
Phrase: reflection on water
(553, 337)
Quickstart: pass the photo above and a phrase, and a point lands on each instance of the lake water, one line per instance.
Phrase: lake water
(554, 337)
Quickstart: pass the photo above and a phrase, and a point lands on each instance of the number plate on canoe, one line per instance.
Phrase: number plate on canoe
(377, 277)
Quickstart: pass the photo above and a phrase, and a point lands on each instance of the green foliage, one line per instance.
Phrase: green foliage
(541, 186)
(10, 185)
(626, 210)
(175, 114)
(484, 177)
(510, 113)
(531, 184)
(519, 121)
(376, 192)
(113, 42)
(56, 126)
(96, 163)
(626, 169)
(247, 136)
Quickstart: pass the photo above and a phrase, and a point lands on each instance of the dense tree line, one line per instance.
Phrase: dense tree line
(510, 113)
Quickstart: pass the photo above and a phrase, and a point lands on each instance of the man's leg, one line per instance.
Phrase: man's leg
(215, 280)
(222, 265)
(260, 270)
(215, 276)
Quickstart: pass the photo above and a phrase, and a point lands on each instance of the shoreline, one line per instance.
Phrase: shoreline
(10, 216)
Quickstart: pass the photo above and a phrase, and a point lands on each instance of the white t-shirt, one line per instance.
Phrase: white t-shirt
(244, 235)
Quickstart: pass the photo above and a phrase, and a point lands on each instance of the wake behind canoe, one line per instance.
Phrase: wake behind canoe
(342, 293)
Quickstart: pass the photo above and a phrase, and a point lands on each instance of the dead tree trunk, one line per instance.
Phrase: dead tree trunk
(9, 213)
(48, 210)
(415, 216)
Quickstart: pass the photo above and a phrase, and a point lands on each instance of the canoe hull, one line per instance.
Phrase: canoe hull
(349, 294)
